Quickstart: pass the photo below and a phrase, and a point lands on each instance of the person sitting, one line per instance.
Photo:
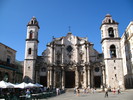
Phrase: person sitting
(28, 94)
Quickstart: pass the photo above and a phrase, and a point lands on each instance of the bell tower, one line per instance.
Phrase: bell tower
(111, 48)
(31, 50)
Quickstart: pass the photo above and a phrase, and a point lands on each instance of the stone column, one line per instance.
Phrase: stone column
(77, 53)
(87, 53)
(63, 78)
(54, 55)
(54, 77)
(92, 77)
(89, 76)
(62, 54)
(103, 76)
(48, 77)
(77, 77)
(62, 50)
(85, 77)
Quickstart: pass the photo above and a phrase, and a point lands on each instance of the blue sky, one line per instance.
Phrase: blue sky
(55, 16)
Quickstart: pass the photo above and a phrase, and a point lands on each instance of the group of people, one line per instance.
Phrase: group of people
(84, 90)
(92, 90)
(114, 90)
(17, 93)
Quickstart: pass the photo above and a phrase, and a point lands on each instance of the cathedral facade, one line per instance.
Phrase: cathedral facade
(71, 61)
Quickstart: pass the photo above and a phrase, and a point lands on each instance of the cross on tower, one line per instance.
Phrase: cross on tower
(69, 28)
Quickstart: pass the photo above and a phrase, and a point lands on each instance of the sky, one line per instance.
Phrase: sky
(55, 16)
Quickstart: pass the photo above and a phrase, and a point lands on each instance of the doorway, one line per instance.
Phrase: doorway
(69, 79)
(43, 80)
(97, 81)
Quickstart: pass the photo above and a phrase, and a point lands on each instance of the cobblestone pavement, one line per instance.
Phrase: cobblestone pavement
(126, 95)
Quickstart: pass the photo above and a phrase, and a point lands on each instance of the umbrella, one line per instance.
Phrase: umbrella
(31, 85)
(21, 85)
(4, 84)
(11, 84)
(38, 85)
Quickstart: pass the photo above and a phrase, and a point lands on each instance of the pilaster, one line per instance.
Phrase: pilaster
(54, 78)
(89, 77)
(77, 77)
(63, 78)
(85, 76)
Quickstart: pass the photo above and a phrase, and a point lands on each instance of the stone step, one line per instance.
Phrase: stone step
(69, 89)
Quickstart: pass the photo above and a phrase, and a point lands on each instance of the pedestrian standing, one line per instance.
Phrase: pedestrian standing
(92, 90)
(114, 90)
(57, 91)
(106, 92)
(118, 91)
(78, 92)
(75, 90)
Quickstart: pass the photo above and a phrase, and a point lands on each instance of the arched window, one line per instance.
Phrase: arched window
(8, 59)
(31, 34)
(111, 32)
(32, 22)
(112, 51)
(109, 21)
(29, 51)
(6, 77)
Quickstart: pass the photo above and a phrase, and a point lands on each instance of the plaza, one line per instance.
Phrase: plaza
(126, 95)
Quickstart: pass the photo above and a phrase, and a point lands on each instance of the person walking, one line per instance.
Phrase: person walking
(106, 92)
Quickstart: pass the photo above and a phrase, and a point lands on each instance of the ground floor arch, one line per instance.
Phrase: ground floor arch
(69, 79)
(43, 80)
(73, 76)
(97, 81)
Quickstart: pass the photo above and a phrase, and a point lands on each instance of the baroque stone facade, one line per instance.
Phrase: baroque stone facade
(71, 61)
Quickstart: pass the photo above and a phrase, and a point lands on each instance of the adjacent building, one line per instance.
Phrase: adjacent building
(127, 53)
(9, 70)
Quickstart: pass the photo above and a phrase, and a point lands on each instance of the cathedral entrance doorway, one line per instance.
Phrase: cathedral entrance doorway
(97, 81)
(69, 79)
(43, 80)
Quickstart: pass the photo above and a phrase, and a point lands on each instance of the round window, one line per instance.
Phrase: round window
(97, 69)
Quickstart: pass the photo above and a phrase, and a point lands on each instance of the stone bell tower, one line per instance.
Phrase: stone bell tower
(31, 50)
(110, 41)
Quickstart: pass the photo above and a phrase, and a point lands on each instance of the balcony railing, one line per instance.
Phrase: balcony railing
(4, 63)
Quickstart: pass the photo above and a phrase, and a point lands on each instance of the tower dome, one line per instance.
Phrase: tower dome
(108, 20)
(33, 22)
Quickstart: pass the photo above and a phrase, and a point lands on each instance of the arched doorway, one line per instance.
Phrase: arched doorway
(97, 81)
(43, 80)
(69, 79)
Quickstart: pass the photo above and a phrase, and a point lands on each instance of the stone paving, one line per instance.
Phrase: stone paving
(126, 95)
